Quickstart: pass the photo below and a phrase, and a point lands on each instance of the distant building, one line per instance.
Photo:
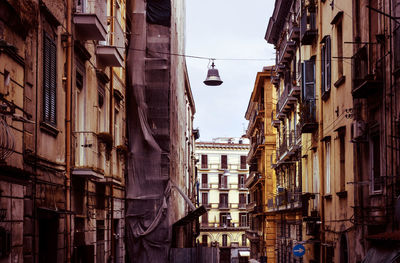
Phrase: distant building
(261, 159)
(222, 172)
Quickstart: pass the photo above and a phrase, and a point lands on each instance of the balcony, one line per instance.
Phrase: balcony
(90, 155)
(89, 27)
(274, 122)
(223, 206)
(365, 83)
(242, 206)
(204, 186)
(112, 52)
(308, 27)
(293, 28)
(293, 142)
(308, 120)
(275, 80)
(283, 147)
(286, 50)
(285, 101)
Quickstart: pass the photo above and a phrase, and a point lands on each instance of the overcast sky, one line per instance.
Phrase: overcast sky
(226, 29)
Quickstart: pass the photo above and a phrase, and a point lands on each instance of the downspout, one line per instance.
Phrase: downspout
(321, 159)
(68, 133)
(112, 133)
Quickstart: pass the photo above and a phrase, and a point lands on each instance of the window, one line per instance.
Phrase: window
(328, 167)
(223, 200)
(308, 79)
(204, 180)
(242, 200)
(204, 199)
(243, 164)
(342, 158)
(375, 149)
(224, 240)
(242, 179)
(223, 219)
(222, 181)
(49, 80)
(244, 240)
(204, 240)
(339, 32)
(224, 162)
(204, 219)
(204, 161)
(102, 111)
(326, 66)
(242, 219)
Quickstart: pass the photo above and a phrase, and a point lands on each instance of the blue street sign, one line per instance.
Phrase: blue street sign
(299, 250)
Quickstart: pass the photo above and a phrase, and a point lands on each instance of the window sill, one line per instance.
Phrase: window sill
(342, 194)
(326, 94)
(340, 81)
(328, 197)
(49, 129)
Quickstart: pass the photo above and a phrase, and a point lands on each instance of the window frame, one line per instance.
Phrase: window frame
(49, 96)
(326, 66)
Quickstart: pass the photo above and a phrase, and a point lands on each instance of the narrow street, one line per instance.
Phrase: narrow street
(136, 131)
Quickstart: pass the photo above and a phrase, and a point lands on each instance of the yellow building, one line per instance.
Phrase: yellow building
(222, 172)
(262, 180)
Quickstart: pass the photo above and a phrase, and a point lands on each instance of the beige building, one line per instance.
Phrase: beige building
(344, 57)
(261, 181)
(222, 172)
(63, 110)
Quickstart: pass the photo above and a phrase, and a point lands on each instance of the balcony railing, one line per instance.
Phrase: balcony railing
(223, 206)
(285, 101)
(274, 122)
(90, 155)
(308, 26)
(308, 120)
(204, 186)
(242, 205)
(286, 50)
(365, 83)
(90, 21)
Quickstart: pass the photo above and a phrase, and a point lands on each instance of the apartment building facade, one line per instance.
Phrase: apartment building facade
(261, 181)
(63, 111)
(222, 171)
(341, 55)
(160, 213)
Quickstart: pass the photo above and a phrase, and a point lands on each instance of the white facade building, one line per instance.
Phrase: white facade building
(221, 172)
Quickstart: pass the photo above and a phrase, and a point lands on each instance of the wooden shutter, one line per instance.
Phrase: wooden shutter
(328, 63)
(224, 161)
(204, 161)
(49, 80)
(243, 162)
(308, 79)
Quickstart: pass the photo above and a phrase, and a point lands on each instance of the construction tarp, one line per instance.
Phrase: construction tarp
(148, 229)
(159, 12)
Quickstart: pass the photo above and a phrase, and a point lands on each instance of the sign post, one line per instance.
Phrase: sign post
(299, 250)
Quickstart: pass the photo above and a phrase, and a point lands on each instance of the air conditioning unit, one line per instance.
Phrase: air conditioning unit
(359, 129)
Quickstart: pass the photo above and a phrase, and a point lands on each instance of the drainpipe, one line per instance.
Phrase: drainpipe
(112, 134)
(68, 133)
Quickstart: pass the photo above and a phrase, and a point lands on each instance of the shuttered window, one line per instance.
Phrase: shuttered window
(224, 162)
(49, 80)
(326, 65)
(308, 79)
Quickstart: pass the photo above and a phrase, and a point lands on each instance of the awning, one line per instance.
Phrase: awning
(382, 255)
(244, 253)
